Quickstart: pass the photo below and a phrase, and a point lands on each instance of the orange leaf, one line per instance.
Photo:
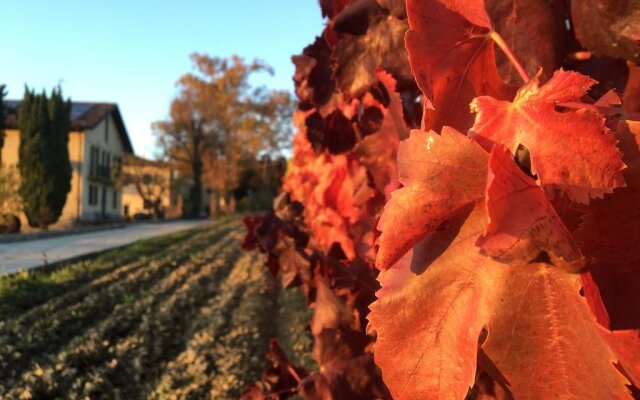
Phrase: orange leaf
(452, 57)
(610, 236)
(545, 341)
(428, 316)
(570, 151)
(608, 27)
(626, 345)
(632, 89)
(329, 311)
(378, 152)
(522, 222)
(441, 174)
(534, 30)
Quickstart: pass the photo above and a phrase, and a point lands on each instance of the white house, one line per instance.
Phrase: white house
(98, 142)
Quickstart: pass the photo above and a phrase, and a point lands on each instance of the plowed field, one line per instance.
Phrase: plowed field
(187, 316)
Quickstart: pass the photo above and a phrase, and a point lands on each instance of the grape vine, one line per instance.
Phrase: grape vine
(461, 210)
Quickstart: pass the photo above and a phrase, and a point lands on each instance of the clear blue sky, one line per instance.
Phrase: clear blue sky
(132, 52)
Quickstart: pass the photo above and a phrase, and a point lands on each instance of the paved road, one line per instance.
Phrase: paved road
(35, 253)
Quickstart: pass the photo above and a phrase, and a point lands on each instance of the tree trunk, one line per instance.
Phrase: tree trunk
(157, 209)
(229, 202)
(196, 165)
(214, 204)
(196, 193)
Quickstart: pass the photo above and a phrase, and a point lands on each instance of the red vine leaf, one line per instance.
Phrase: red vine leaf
(277, 378)
(611, 229)
(335, 194)
(534, 30)
(397, 8)
(312, 78)
(570, 151)
(441, 174)
(522, 222)
(395, 120)
(452, 58)
(632, 89)
(358, 57)
(608, 27)
(329, 311)
(356, 18)
(594, 300)
(626, 345)
(331, 8)
(333, 132)
(545, 341)
(428, 324)
(378, 152)
(346, 370)
(458, 290)
(610, 236)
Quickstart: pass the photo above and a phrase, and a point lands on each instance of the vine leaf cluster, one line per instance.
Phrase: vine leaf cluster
(461, 209)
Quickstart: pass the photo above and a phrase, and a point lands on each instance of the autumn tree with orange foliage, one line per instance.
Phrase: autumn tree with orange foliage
(218, 118)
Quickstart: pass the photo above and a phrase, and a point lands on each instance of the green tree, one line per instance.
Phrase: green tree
(259, 182)
(45, 170)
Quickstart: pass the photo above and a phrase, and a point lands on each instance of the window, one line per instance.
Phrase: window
(103, 169)
(91, 162)
(93, 195)
(103, 163)
(107, 167)
(94, 154)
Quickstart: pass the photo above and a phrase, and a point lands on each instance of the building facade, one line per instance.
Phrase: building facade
(150, 188)
(98, 144)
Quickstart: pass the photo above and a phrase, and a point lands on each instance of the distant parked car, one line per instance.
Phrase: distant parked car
(142, 217)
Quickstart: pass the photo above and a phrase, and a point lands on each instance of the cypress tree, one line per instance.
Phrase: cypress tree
(45, 170)
(60, 112)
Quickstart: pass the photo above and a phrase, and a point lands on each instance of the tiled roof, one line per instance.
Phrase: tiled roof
(84, 115)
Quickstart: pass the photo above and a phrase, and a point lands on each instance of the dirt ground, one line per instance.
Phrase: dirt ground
(186, 316)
